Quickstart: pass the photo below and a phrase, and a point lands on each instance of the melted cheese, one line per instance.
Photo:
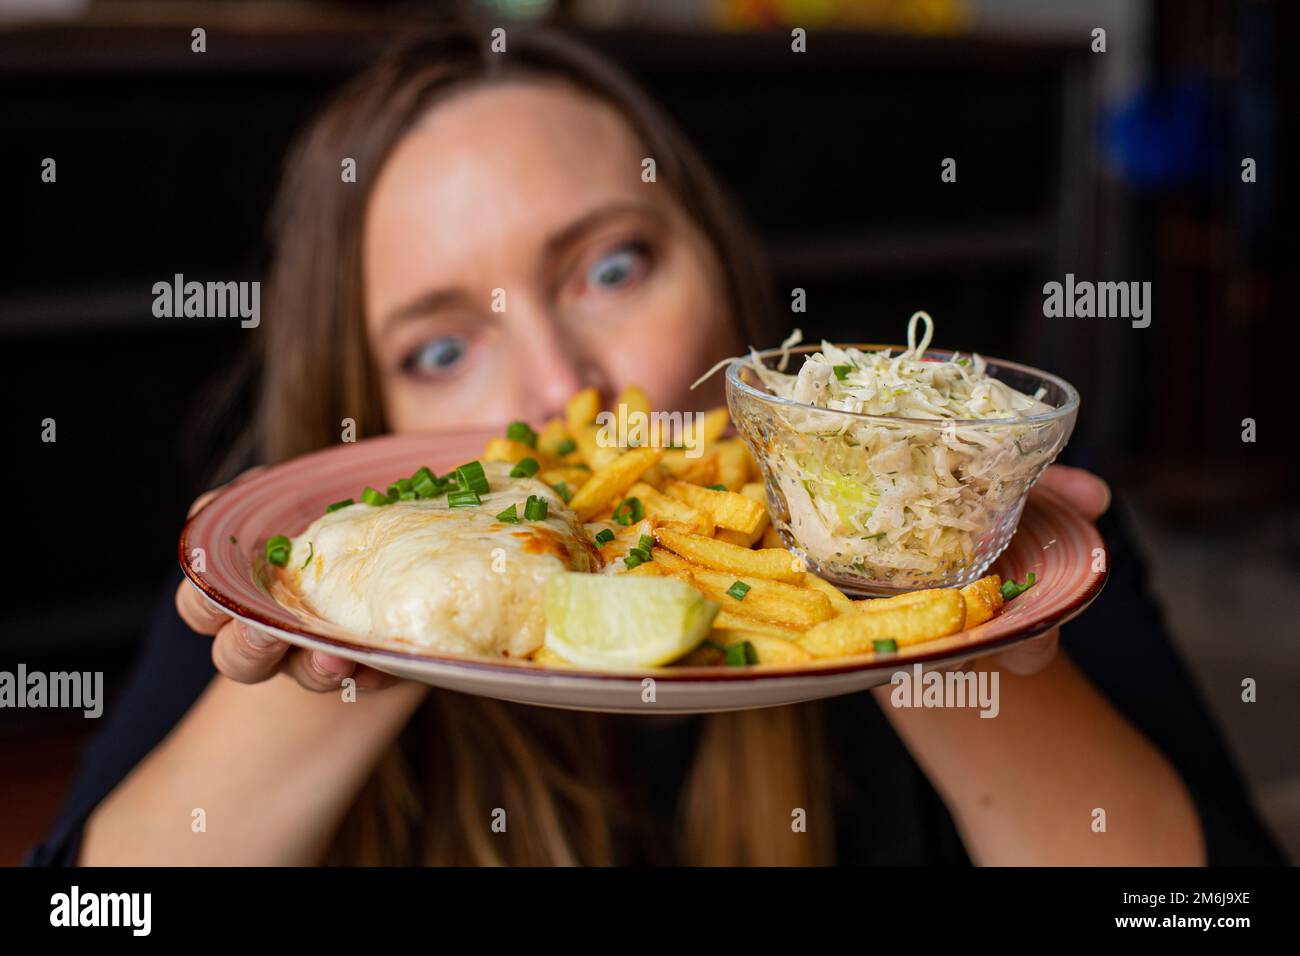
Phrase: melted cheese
(454, 580)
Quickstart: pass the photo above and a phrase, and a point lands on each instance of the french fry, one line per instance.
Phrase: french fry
(840, 601)
(625, 539)
(730, 621)
(590, 451)
(698, 471)
(581, 410)
(611, 481)
(669, 510)
(770, 650)
(771, 601)
(733, 537)
(711, 428)
(552, 438)
(733, 464)
(729, 510)
(772, 538)
(653, 569)
(634, 399)
(570, 475)
(752, 490)
(548, 658)
(503, 449)
(983, 599)
(906, 619)
(775, 564)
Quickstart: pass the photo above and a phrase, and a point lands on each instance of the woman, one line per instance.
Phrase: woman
(480, 175)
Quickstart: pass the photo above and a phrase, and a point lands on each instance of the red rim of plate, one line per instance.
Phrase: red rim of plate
(1046, 513)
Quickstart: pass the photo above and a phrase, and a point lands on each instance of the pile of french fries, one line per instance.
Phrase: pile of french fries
(707, 518)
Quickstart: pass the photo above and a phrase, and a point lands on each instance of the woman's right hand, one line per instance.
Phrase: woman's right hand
(247, 655)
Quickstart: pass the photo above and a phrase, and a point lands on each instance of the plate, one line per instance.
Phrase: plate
(220, 547)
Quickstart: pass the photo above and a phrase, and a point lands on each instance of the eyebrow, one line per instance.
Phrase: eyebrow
(426, 302)
(431, 300)
(585, 223)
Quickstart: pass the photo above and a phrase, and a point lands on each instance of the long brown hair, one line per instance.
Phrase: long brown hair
(432, 796)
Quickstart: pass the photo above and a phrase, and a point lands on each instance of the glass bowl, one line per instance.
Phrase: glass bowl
(880, 504)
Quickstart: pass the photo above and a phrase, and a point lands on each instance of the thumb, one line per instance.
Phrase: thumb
(1084, 491)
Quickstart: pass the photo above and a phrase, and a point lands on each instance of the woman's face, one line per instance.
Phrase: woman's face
(512, 255)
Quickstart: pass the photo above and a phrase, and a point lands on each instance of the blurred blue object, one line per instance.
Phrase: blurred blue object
(1164, 136)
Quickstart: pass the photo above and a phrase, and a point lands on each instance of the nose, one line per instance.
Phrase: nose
(553, 367)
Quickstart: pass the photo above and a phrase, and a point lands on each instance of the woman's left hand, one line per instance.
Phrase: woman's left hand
(1088, 495)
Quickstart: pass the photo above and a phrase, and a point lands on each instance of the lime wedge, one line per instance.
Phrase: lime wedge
(623, 621)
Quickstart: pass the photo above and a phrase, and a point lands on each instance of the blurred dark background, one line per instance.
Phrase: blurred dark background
(1116, 166)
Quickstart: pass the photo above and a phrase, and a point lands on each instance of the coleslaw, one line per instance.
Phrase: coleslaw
(923, 480)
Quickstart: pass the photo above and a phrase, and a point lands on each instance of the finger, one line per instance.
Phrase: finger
(368, 678)
(1027, 659)
(207, 496)
(202, 500)
(245, 654)
(1085, 492)
(317, 670)
(198, 613)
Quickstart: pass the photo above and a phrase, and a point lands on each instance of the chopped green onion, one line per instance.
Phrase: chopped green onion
(566, 446)
(520, 432)
(633, 560)
(407, 496)
(1011, 588)
(525, 468)
(425, 487)
(277, 550)
(374, 498)
(510, 515)
(463, 499)
(311, 550)
(885, 645)
(640, 552)
(841, 371)
(718, 487)
(738, 590)
(470, 477)
(424, 471)
(399, 487)
(963, 361)
(536, 509)
(741, 655)
(346, 502)
(563, 491)
(634, 512)
(646, 542)
(604, 536)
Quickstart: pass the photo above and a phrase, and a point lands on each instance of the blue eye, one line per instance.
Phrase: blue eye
(616, 269)
(436, 357)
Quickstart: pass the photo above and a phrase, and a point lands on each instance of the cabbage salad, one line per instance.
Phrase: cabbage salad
(910, 500)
